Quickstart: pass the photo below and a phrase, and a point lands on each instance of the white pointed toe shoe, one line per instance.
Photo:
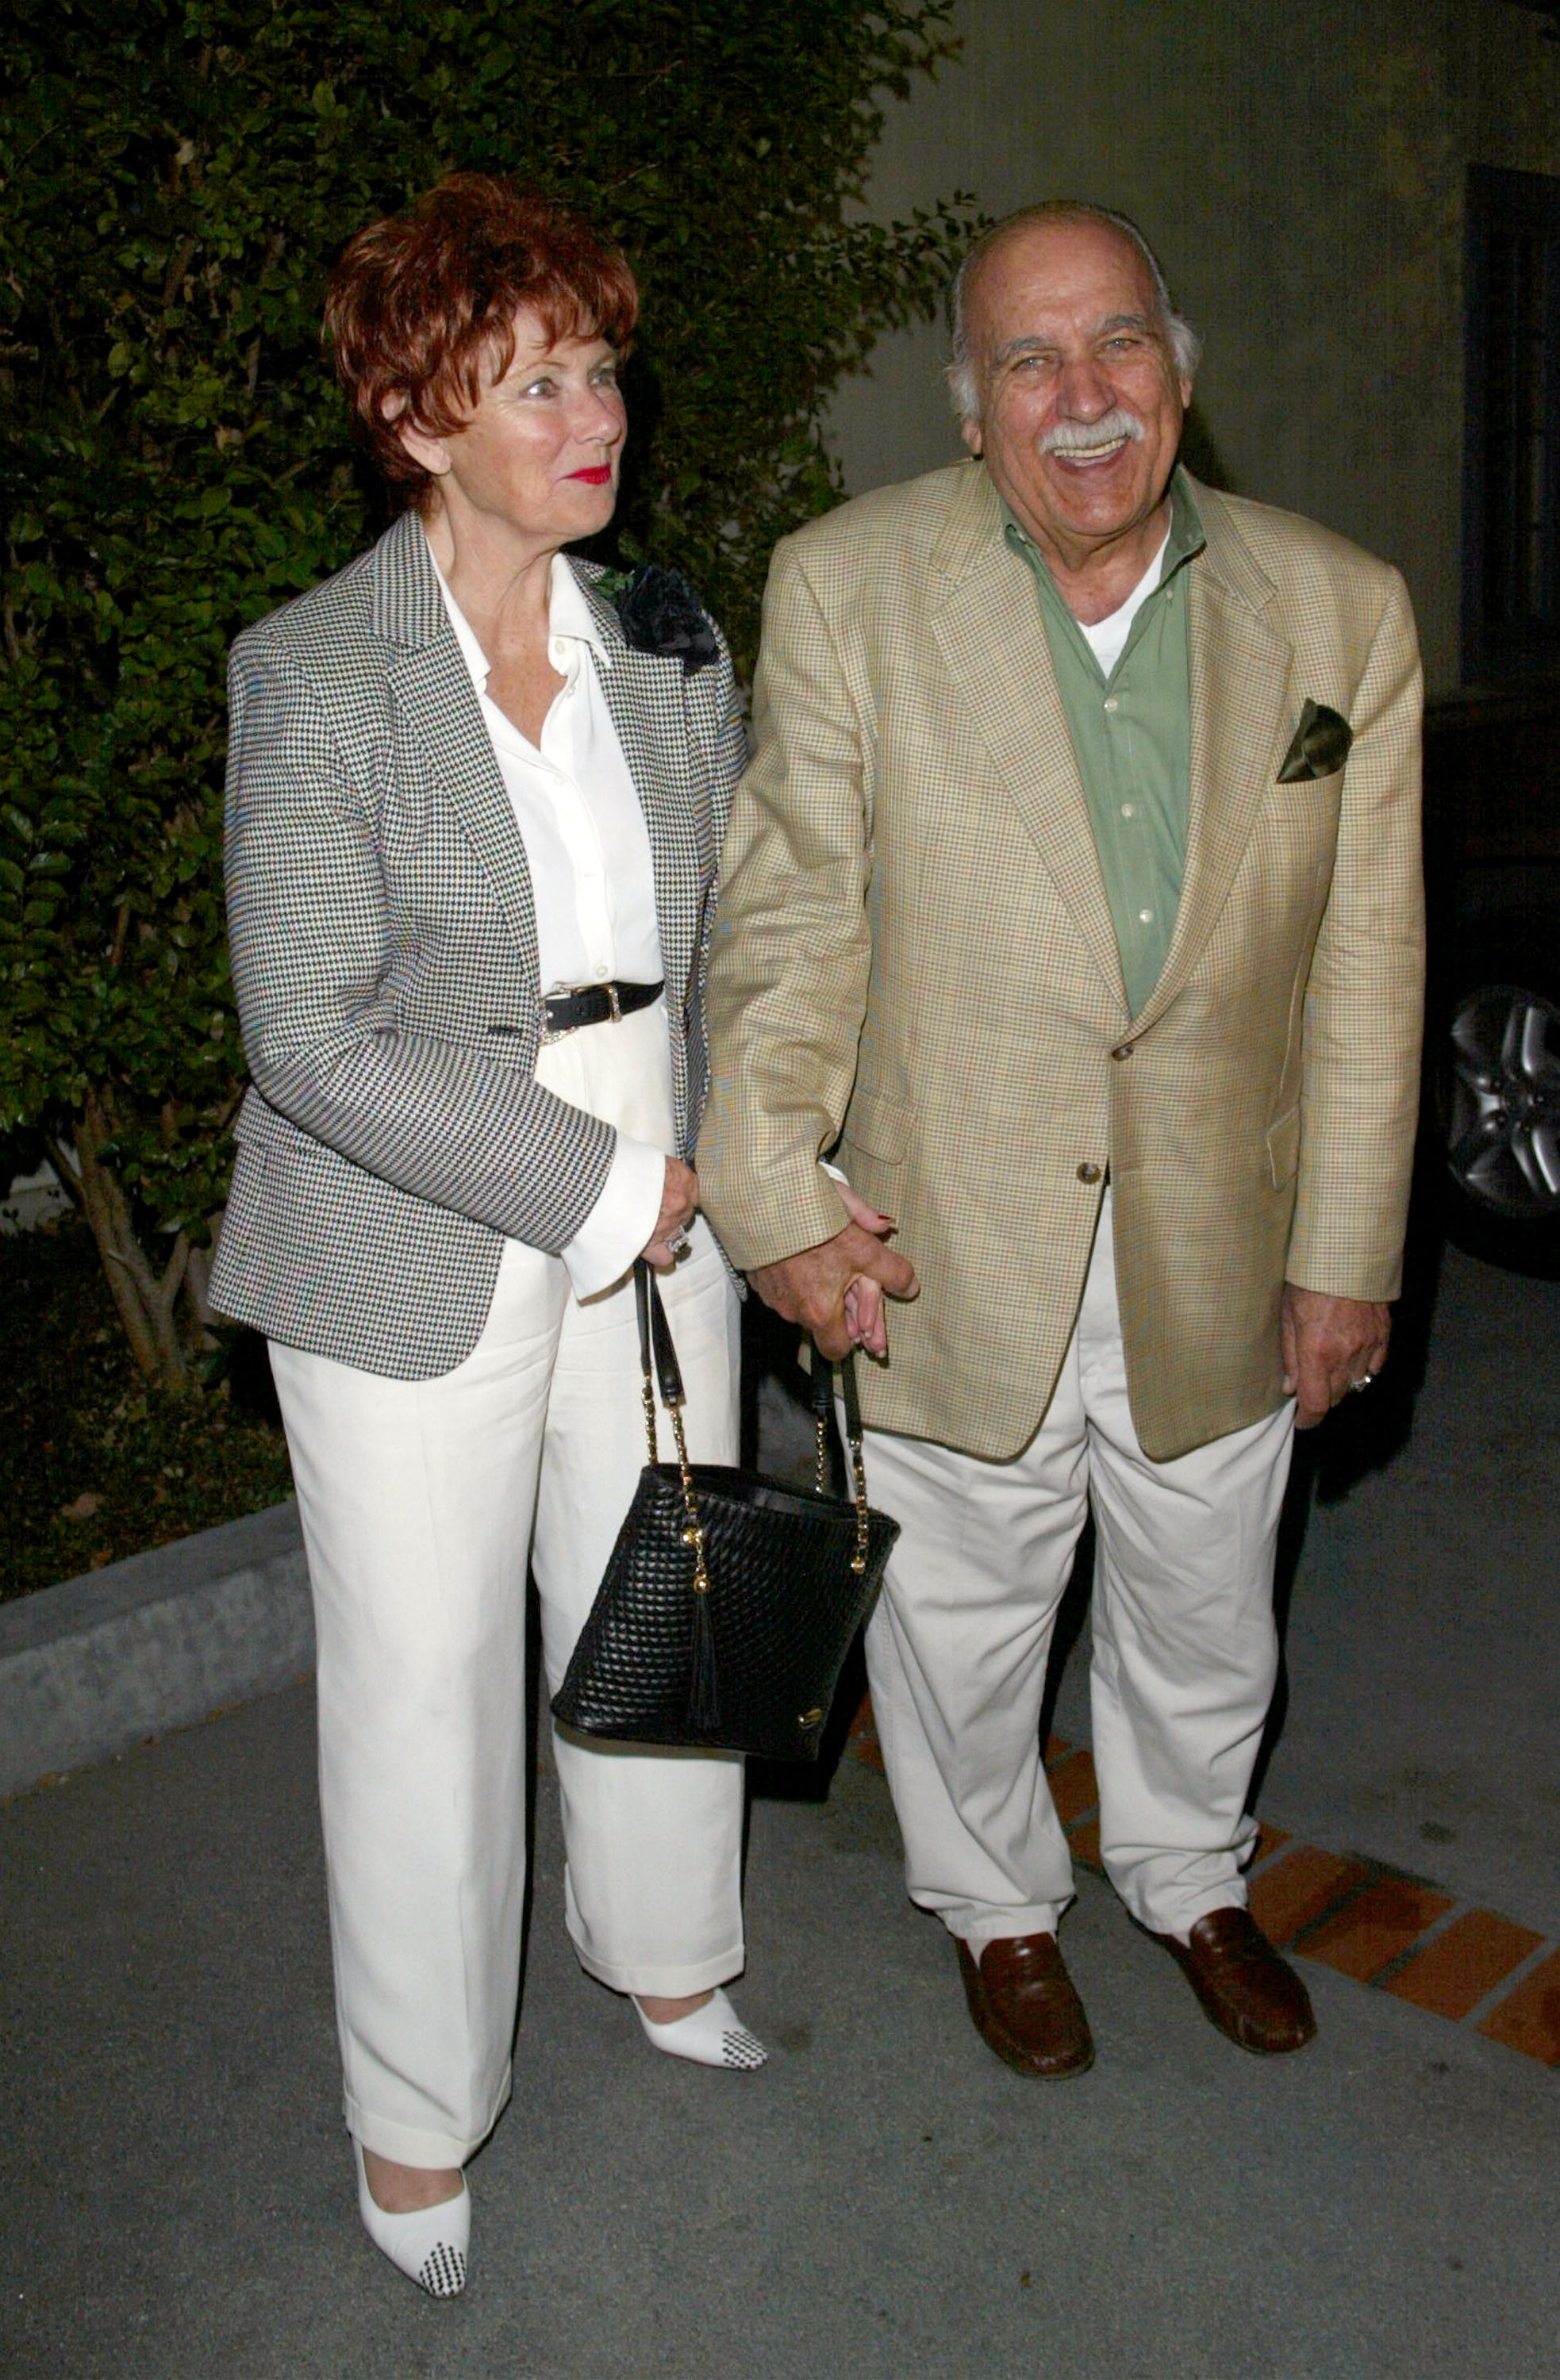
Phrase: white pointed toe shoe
(713, 2036)
(429, 2245)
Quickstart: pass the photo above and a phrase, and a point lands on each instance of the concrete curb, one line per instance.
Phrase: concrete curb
(94, 1666)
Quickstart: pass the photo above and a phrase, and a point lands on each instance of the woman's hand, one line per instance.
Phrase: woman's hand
(679, 1204)
(864, 1317)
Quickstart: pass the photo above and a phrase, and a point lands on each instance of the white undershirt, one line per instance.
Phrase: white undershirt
(592, 880)
(1107, 638)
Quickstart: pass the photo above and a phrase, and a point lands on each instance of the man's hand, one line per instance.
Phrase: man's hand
(1329, 1343)
(679, 1204)
(835, 1290)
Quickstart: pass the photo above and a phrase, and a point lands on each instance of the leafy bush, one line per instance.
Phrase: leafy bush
(177, 179)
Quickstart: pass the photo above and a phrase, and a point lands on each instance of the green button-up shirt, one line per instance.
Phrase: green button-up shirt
(1131, 735)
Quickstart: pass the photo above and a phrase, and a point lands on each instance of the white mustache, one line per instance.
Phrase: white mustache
(1070, 437)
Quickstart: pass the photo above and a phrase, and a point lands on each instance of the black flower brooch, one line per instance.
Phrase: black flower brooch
(661, 614)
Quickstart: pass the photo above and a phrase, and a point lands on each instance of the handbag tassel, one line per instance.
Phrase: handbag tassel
(703, 1691)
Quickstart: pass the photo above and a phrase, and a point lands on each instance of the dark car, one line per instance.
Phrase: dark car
(1492, 1051)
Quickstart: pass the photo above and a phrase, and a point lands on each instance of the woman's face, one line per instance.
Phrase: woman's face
(540, 453)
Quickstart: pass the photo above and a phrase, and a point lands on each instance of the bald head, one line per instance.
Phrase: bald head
(1182, 340)
(1078, 395)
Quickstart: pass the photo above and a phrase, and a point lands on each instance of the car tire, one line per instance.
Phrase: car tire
(1497, 1078)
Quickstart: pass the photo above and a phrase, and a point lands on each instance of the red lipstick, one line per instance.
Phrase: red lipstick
(597, 477)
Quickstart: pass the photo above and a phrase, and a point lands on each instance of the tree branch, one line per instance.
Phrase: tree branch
(173, 1274)
(69, 1179)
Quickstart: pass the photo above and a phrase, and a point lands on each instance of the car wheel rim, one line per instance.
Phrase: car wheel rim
(1503, 1136)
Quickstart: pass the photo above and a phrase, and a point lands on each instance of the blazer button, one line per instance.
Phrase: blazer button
(1122, 1050)
(1089, 1174)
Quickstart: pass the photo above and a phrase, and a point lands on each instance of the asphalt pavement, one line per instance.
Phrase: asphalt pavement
(883, 2198)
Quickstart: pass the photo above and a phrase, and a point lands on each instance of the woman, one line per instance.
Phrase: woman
(472, 831)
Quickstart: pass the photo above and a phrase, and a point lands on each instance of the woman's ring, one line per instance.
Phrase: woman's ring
(677, 1241)
(1362, 1382)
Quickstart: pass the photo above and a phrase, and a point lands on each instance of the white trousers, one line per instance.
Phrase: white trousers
(1185, 1650)
(421, 1502)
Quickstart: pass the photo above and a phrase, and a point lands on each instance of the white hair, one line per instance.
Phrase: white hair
(1184, 341)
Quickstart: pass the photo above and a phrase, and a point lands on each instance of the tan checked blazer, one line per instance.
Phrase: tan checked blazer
(914, 960)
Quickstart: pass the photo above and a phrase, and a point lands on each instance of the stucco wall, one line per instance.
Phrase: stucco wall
(1300, 168)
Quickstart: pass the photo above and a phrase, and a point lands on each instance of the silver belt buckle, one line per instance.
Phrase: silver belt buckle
(551, 1033)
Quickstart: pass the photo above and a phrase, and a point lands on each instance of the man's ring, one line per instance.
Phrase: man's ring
(1362, 1382)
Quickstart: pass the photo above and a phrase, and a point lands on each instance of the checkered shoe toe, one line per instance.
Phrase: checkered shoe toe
(713, 2035)
(430, 2244)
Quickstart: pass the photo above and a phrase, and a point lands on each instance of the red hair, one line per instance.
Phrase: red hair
(420, 305)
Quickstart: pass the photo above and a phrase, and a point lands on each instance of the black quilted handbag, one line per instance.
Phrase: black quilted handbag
(730, 1600)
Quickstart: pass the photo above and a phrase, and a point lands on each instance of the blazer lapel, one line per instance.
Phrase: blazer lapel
(438, 718)
(1240, 673)
(645, 695)
(993, 640)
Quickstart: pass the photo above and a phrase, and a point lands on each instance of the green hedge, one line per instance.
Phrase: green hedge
(177, 180)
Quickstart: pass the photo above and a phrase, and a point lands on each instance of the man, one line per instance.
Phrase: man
(1071, 906)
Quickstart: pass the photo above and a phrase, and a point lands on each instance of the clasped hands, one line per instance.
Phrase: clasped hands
(836, 1290)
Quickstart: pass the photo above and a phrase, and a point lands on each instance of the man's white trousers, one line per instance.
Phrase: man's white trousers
(1185, 1650)
(421, 1502)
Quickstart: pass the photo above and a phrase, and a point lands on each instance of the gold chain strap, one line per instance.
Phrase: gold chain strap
(859, 1559)
(858, 1473)
(692, 1533)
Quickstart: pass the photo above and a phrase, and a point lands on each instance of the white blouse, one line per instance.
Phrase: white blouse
(588, 850)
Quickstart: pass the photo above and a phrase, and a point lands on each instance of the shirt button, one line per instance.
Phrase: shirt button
(601, 975)
(1127, 810)
(1110, 702)
(1145, 916)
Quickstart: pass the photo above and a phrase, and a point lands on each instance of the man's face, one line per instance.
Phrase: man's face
(1081, 406)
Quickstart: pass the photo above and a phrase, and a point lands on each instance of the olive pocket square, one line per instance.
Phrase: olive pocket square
(1321, 745)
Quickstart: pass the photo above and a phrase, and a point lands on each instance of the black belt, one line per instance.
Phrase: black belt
(597, 1003)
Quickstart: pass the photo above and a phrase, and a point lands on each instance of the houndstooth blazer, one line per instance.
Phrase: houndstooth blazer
(385, 955)
(915, 958)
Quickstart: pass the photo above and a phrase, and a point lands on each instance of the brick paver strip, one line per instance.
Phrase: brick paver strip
(1530, 2020)
(862, 1739)
(1084, 1842)
(1073, 1787)
(1300, 1888)
(1378, 1925)
(1451, 1976)
(1344, 1913)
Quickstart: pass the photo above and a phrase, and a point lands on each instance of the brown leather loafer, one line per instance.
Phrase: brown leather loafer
(1024, 2007)
(1253, 1995)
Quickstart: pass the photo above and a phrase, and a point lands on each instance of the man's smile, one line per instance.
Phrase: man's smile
(1085, 457)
